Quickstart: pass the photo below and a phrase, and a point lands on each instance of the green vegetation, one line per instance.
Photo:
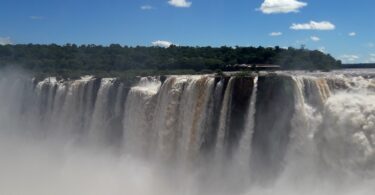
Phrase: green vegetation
(72, 61)
(361, 65)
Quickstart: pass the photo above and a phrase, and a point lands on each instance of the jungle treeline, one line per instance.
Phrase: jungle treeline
(71, 58)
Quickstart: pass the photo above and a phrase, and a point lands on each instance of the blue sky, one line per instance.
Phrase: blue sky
(344, 28)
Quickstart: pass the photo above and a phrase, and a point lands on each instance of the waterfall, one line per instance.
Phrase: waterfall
(244, 149)
(224, 119)
(267, 133)
(138, 114)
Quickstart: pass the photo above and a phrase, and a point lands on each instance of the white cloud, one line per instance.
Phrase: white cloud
(180, 3)
(371, 60)
(36, 17)
(281, 6)
(315, 38)
(322, 49)
(160, 43)
(371, 45)
(146, 7)
(352, 34)
(5, 41)
(324, 25)
(349, 58)
(275, 34)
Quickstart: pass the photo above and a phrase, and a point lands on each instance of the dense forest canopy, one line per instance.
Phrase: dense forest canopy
(361, 65)
(70, 58)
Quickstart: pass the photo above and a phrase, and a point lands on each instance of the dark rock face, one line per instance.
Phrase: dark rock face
(213, 115)
(241, 95)
(275, 103)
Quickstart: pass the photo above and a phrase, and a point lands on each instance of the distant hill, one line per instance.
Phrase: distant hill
(360, 65)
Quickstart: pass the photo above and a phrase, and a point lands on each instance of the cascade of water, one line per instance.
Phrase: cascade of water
(165, 124)
(213, 117)
(301, 153)
(79, 101)
(58, 106)
(45, 92)
(346, 138)
(203, 134)
(244, 149)
(224, 120)
(100, 123)
(204, 87)
(275, 108)
(139, 107)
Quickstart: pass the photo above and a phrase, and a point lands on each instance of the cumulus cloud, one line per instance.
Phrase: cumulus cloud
(315, 38)
(349, 58)
(5, 41)
(371, 58)
(275, 34)
(160, 43)
(322, 49)
(180, 3)
(146, 7)
(352, 34)
(281, 6)
(324, 25)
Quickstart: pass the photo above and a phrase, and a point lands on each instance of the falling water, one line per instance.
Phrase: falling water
(270, 133)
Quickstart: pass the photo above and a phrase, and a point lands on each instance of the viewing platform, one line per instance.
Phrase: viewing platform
(252, 67)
